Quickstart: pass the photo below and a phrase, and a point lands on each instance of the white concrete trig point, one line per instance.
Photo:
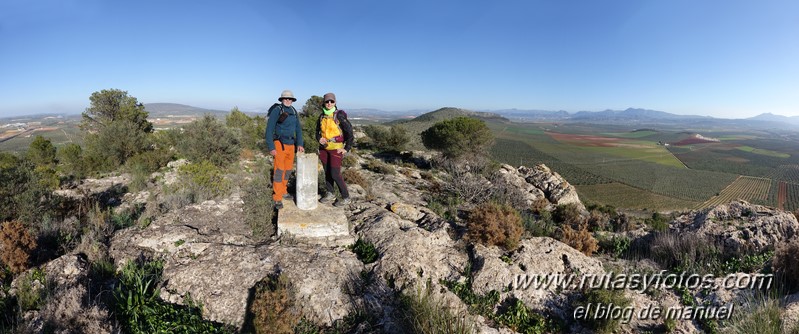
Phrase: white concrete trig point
(310, 220)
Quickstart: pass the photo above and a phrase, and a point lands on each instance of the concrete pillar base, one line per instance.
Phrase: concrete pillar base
(326, 225)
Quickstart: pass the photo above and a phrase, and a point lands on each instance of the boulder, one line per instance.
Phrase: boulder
(740, 227)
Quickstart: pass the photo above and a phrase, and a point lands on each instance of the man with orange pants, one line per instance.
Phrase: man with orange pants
(283, 134)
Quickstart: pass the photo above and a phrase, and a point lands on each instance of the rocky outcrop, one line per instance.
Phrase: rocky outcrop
(740, 227)
(540, 182)
(70, 307)
(536, 258)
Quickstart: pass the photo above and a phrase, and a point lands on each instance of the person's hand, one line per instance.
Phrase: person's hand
(301, 149)
(273, 152)
(322, 141)
(341, 150)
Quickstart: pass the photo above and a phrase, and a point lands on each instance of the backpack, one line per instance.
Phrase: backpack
(283, 113)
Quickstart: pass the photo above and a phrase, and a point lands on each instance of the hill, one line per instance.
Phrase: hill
(422, 122)
(175, 109)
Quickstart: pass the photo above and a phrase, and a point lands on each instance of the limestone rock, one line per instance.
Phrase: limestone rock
(541, 183)
(322, 278)
(538, 256)
(556, 189)
(741, 227)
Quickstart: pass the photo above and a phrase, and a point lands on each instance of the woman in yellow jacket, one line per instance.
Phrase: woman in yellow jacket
(334, 133)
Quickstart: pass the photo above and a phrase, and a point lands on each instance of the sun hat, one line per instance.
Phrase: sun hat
(329, 96)
(287, 94)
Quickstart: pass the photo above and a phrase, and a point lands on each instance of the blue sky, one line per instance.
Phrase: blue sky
(729, 58)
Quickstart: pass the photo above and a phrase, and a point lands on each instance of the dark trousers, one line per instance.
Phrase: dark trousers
(331, 162)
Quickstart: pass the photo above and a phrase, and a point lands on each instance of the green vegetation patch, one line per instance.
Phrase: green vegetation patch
(765, 152)
(631, 134)
(623, 196)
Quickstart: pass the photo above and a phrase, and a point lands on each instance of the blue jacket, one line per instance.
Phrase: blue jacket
(289, 132)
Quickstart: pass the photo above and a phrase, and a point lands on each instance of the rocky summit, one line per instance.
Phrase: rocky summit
(211, 257)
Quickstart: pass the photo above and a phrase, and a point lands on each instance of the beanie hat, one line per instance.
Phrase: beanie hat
(329, 96)
(287, 94)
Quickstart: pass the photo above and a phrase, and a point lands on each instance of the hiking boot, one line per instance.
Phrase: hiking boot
(288, 196)
(342, 202)
(278, 205)
(329, 198)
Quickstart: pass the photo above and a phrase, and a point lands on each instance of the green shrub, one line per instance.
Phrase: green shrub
(273, 306)
(41, 152)
(32, 290)
(206, 139)
(392, 139)
(602, 297)
(758, 314)
(258, 203)
(420, 312)
(457, 137)
(354, 176)
(520, 318)
(365, 251)
(204, 180)
(116, 128)
(378, 166)
(349, 160)
(568, 214)
(539, 226)
(139, 309)
(686, 252)
(658, 222)
(251, 129)
(492, 224)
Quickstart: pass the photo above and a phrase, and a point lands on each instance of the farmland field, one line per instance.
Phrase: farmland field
(753, 189)
(639, 168)
(623, 196)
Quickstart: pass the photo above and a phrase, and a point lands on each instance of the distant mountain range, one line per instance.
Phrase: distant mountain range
(164, 109)
(632, 116)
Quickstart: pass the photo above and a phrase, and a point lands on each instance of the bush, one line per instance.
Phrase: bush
(392, 139)
(458, 137)
(207, 139)
(139, 309)
(32, 290)
(492, 224)
(251, 129)
(365, 251)
(273, 306)
(686, 252)
(658, 222)
(568, 214)
(18, 246)
(116, 129)
(70, 159)
(41, 152)
(786, 264)
(203, 180)
(580, 239)
(422, 313)
(603, 297)
(349, 160)
(758, 314)
(353, 176)
(378, 166)
(258, 204)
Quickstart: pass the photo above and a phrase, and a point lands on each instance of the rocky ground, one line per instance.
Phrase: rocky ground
(210, 254)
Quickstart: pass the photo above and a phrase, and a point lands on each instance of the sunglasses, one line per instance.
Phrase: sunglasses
(330, 101)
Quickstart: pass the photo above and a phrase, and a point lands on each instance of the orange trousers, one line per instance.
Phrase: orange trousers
(284, 163)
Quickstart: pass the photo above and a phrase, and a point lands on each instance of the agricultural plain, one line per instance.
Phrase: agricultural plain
(659, 168)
